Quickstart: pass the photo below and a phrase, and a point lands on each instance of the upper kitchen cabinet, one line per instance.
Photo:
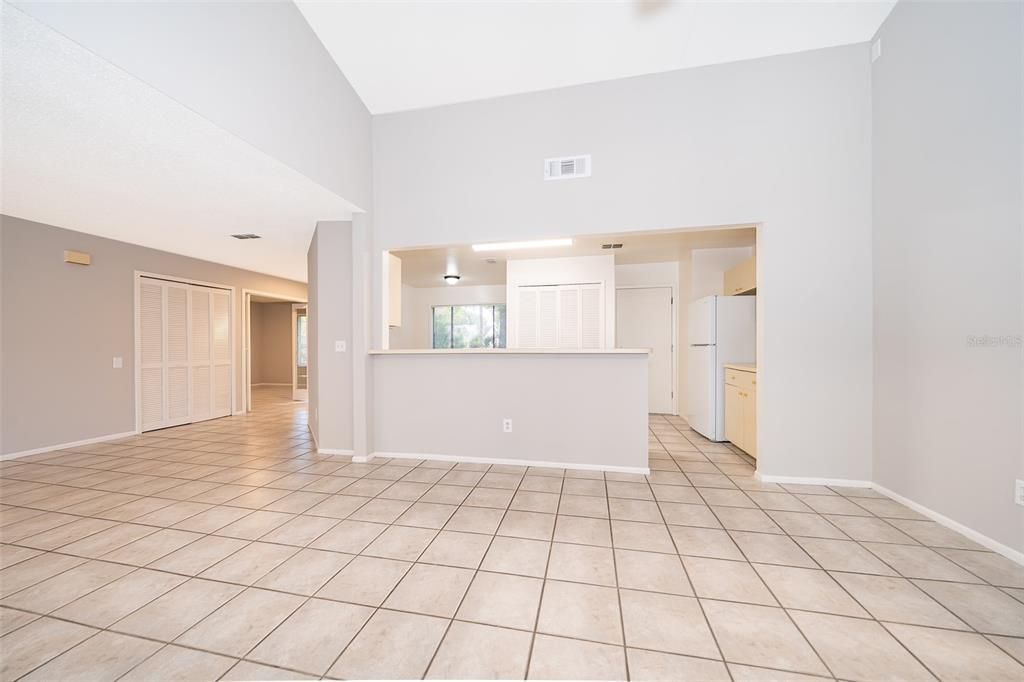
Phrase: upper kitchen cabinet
(742, 279)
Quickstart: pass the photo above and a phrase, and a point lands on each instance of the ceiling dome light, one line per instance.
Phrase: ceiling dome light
(452, 279)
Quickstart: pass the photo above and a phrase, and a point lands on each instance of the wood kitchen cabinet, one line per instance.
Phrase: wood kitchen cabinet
(741, 407)
(742, 279)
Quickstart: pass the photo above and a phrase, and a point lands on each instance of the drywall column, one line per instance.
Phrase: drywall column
(330, 259)
(362, 385)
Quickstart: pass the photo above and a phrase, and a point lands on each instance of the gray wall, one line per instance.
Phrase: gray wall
(947, 155)
(784, 141)
(330, 313)
(63, 324)
(255, 69)
(271, 333)
(563, 407)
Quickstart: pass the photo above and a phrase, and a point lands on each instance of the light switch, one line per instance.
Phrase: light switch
(118, 362)
(339, 346)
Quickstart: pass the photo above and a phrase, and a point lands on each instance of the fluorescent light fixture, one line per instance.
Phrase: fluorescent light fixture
(535, 244)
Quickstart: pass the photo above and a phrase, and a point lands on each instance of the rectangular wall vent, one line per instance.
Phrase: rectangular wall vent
(567, 167)
(247, 235)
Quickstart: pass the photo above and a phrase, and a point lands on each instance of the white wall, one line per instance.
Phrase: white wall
(782, 141)
(417, 322)
(947, 160)
(256, 69)
(552, 271)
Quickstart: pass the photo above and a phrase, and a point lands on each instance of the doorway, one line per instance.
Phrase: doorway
(275, 350)
(644, 319)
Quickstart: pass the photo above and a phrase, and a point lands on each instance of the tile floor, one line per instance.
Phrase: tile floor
(228, 550)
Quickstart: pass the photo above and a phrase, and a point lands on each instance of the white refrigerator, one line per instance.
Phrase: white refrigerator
(720, 330)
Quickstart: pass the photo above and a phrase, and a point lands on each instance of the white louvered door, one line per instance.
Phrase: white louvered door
(567, 316)
(185, 358)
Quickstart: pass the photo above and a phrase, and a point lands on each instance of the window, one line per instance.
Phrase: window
(469, 326)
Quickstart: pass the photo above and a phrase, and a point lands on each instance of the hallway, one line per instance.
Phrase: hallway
(229, 549)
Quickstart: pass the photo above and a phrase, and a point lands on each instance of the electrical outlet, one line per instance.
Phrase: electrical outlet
(339, 346)
(1018, 496)
(118, 363)
(506, 425)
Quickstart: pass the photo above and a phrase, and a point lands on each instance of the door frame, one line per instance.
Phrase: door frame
(674, 316)
(295, 349)
(136, 341)
(247, 295)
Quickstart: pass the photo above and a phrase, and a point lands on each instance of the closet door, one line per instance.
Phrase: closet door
(220, 340)
(526, 327)
(151, 353)
(176, 358)
(568, 317)
(591, 316)
(201, 353)
(547, 317)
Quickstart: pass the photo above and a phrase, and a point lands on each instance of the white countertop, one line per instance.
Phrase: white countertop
(512, 351)
(741, 366)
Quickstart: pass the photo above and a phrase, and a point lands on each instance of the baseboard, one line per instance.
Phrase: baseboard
(64, 446)
(334, 451)
(269, 383)
(512, 462)
(983, 540)
(809, 480)
(363, 459)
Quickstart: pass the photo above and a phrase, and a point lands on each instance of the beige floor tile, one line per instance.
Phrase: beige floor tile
(351, 537)
(516, 555)
(583, 611)
(544, 484)
(772, 549)
(833, 504)
(392, 645)
(806, 525)
(337, 506)
(106, 656)
(657, 666)
(312, 637)
(778, 501)
(629, 490)
(989, 566)
(676, 493)
(525, 500)
(255, 525)
(808, 589)
(933, 534)
(648, 537)
(430, 590)
(379, 510)
(427, 515)
(449, 548)
(557, 658)
(707, 542)
(165, 517)
(484, 652)
(176, 611)
(66, 587)
(666, 623)
(870, 529)
(29, 647)
(67, 533)
(40, 523)
(12, 619)
(958, 655)
(35, 570)
(1011, 645)
(108, 540)
(305, 572)
(738, 518)
(404, 543)
(985, 608)
(652, 572)
(475, 520)
(857, 649)
(240, 624)
(761, 636)
(634, 510)
(581, 505)
(300, 530)
(296, 502)
(920, 562)
(114, 601)
(365, 580)
(10, 555)
(897, 599)
(490, 498)
(529, 525)
(213, 519)
(504, 600)
(405, 490)
(246, 671)
(583, 530)
(750, 673)
(844, 555)
(682, 514)
(888, 509)
(195, 558)
(728, 580)
(582, 486)
(501, 481)
(721, 497)
(178, 664)
(250, 563)
(152, 547)
(582, 564)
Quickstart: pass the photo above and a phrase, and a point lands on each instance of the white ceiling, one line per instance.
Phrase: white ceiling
(409, 55)
(427, 267)
(89, 147)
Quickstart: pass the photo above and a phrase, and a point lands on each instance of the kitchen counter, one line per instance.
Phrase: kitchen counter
(741, 366)
(513, 351)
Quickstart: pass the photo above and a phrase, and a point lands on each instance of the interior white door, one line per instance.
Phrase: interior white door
(201, 356)
(151, 354)
(220, 342)
(176, 373)
(643, 319)
(300, 351)
(701, 394)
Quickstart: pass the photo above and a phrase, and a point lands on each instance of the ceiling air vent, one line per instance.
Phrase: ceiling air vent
(567, 167)
(611, 246)
(247, 235)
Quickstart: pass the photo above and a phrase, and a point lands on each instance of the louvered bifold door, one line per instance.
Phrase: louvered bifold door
(547, 317)
(176, 345)
(200, 351)
(221, 350)
(151, 354)
(526, 322)
(591, 316)
(569, 317)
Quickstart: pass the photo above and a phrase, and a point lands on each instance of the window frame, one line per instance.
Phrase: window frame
(451, 323)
